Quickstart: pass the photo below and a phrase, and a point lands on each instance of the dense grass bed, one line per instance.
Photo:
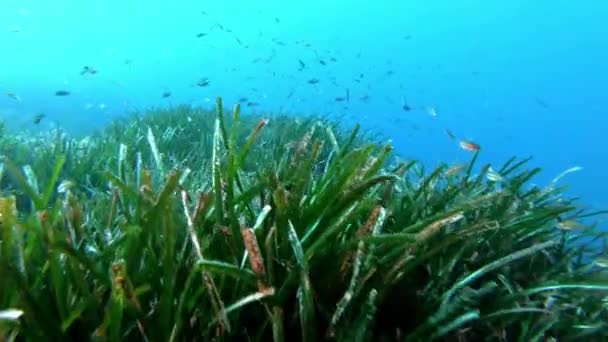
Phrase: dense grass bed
(186, 225)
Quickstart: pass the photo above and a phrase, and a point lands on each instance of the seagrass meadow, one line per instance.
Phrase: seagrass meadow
(190, 225)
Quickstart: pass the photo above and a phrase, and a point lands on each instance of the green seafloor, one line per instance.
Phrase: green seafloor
(191, 225)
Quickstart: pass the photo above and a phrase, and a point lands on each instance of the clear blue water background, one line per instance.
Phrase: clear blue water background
(518, 77)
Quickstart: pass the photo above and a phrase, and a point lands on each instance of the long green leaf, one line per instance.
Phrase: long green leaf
(304, 293)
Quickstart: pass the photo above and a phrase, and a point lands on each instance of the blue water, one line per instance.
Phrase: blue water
(518, 77)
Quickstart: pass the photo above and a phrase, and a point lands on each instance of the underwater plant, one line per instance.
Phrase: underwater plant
(184, 224)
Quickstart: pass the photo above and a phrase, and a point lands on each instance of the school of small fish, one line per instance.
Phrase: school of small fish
(314, 64)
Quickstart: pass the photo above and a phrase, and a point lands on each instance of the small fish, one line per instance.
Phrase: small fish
(540, 102)
(431, 111)
(454, 170)
(569, 225)
(469, 146)
(450, 134)
(242, 99)
(493, 176)
(322, 62)
(333, 60)
(252, 104)
(13, 96)
(404, 105)
(88, 70)
(166, 94)
(62, 93)
(302, 64)
(277, 20)
(201, 35)
(203, 82)
(340, 99)
(313, 81)
(365, 98)
(38, 118)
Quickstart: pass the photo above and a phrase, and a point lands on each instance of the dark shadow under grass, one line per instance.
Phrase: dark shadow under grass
(186, 225)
